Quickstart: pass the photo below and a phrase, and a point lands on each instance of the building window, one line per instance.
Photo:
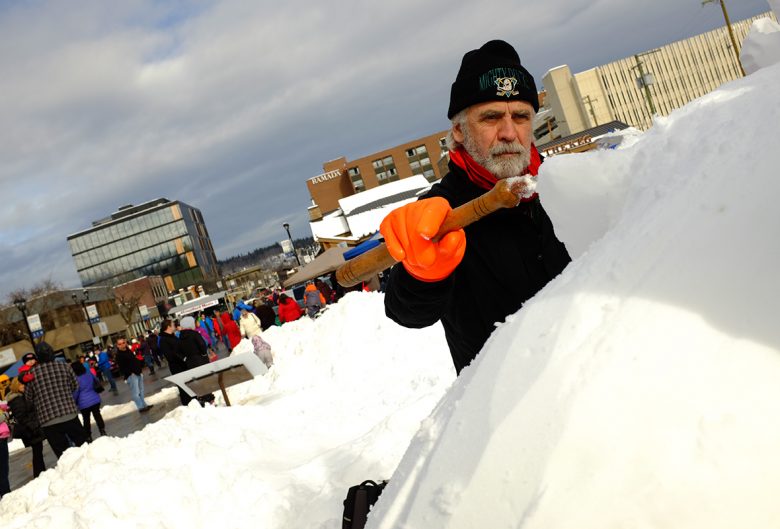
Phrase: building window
(385, 170)
(419, 162)
(356, 179)
(443, 145)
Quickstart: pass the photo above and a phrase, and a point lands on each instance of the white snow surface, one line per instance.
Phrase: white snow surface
(638, 389)
(761, 47)
(343, 399)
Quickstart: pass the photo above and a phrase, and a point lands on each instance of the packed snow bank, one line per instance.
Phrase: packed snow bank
(761, 47)
(641, 387)
(340, 405)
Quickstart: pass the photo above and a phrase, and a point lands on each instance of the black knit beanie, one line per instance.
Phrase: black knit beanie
(44, 352)
(491, 73)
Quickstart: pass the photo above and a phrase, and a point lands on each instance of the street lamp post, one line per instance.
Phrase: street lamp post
(21, 304)
(286, 226)
(83, 302)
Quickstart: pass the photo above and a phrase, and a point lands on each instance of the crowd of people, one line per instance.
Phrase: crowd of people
(44, 401)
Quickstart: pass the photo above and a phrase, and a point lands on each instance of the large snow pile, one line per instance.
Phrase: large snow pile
(641, 387)
(344, 398)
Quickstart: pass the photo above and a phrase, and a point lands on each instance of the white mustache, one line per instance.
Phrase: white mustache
(508, 148)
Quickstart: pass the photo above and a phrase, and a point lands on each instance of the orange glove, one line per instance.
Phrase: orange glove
(408, 231)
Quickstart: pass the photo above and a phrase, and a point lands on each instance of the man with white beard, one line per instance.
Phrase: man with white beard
(475, 277)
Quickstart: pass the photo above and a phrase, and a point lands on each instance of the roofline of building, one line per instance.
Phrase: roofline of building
(615, 124)
(110, 220)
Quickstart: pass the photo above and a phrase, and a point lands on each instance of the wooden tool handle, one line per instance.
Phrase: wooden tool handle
(505, 194)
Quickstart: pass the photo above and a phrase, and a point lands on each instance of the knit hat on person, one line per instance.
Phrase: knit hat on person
(29, 356)
(491, 73)
(188, 322)
(44, 352)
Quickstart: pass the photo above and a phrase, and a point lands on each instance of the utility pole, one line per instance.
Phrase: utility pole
(644, 81)
(731, 32)
(588, 101)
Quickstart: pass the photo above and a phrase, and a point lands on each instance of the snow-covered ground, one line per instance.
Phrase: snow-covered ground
(639, 389)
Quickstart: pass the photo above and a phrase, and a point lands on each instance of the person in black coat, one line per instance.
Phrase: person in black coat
(132, 369)
(27, 427)
(471, 279)
(194, 349)
(265, 314)
(171, 350)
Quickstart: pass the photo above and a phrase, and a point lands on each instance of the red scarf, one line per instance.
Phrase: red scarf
(484, 178)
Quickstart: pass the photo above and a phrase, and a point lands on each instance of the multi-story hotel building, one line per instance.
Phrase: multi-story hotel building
(342, 178)
(160, 237)
(633, 89)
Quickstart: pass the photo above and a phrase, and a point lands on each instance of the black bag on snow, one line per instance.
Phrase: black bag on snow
(359, 500)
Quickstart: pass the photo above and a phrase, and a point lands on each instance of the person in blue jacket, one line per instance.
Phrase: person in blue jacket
(239, 306)
(104, 366)
(87, 399)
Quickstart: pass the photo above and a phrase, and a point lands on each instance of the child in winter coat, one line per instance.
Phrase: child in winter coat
(87, 399)
(27, 427)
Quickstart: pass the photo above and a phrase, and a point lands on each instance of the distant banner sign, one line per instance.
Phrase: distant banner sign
(34, 321)
(103, 328)
(7, 357)
(287, 246)
(144, 311)
(92, 313)
(199, 307)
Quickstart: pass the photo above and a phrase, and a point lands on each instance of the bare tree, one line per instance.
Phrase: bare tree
(127, 303)
(44, 287)
(38, 302)
(39, 289)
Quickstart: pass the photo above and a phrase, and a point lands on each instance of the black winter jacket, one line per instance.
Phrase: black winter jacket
(128, 363)
(193, 347)
(169, 347)
(27, 427)
(510, 255)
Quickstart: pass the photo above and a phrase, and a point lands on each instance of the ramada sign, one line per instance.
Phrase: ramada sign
(324, 177)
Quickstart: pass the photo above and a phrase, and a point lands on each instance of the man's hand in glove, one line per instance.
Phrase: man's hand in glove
(409, 232)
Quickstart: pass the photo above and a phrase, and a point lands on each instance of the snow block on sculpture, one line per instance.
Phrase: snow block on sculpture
(761, 47)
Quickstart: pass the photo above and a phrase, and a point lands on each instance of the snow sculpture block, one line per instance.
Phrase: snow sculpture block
(761, 47)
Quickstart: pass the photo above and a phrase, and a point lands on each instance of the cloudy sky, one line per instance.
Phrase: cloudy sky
(230, 106)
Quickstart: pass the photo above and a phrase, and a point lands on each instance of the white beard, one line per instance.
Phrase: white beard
(499, 166)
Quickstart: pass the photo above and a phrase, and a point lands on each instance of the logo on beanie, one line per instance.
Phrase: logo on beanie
(506, 86)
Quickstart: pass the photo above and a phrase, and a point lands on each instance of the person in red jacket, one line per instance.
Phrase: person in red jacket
(231, 329)
(289, 310)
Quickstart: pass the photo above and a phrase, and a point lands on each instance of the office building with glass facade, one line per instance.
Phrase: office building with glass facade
(161, 237)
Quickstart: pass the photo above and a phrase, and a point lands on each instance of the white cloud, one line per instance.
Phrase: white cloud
(112, 103)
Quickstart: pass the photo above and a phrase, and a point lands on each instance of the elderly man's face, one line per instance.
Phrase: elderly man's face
(498, 135)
